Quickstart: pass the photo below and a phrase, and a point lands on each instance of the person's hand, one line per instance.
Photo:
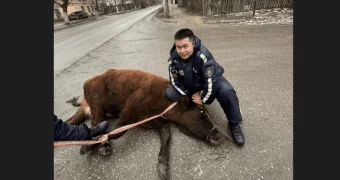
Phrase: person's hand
(196, 98)
(104, 138)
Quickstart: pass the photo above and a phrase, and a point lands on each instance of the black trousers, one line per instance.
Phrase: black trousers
(225, 95)
(68, 132)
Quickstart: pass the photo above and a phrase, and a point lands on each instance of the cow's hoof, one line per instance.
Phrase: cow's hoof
(162, 169)
(104, 149)
(84, 149)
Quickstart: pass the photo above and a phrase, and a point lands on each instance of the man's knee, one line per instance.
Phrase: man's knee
(226, 87)
(172, 94)
(226, 91)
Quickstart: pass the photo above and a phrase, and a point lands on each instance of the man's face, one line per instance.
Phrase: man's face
(184, 48)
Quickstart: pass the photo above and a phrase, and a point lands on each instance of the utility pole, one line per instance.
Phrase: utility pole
(97, 9)
(254, 8)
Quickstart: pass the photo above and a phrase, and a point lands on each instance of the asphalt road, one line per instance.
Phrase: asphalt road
(259, 64)
(73, 43)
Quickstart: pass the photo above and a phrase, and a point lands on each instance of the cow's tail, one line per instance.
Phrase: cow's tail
(73, 101)
(82, 114)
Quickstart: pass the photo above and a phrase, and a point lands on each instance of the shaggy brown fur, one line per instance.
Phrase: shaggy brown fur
(134, 95)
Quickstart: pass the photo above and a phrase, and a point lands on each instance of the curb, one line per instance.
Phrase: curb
(75, 24)
(223, 21)
(97, 18)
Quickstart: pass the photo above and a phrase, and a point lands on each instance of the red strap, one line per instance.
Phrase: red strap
(116, 131)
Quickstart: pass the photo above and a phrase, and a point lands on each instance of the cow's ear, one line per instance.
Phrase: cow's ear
(186, 101)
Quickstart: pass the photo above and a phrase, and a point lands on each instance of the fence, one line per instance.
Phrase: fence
(210, 7)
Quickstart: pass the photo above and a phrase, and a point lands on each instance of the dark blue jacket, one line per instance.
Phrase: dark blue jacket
(68, 132)
(199, 72)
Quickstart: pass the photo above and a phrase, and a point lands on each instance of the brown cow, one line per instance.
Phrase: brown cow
(134, 95)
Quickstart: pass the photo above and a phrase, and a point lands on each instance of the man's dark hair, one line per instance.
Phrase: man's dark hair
(184, 33)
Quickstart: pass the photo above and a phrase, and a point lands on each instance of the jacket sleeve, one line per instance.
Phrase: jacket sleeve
(210, 78)
(173, 78)
(68, 132)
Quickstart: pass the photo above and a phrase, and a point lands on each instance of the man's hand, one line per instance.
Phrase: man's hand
(196, 98)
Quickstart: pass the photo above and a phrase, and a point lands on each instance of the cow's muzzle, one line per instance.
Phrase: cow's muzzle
(214, 137)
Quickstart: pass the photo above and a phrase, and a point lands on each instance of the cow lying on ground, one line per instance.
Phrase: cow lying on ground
(134, 95)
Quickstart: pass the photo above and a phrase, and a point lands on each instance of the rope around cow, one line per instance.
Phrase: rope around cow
(116, 131)
(104, 138)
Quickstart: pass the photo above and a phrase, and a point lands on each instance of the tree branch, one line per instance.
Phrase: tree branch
(58, 3)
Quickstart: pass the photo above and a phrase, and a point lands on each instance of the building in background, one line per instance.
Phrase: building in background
(75, 5)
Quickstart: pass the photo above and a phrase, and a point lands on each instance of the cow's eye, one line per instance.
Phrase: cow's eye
(202, 112)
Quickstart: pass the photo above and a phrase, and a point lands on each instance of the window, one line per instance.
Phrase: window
(82, 8)
(92, 8)
(88, 8)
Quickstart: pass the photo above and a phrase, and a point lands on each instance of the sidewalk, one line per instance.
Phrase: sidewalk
(62, 25)
(263, 16)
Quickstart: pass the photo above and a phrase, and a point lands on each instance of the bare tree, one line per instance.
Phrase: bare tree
(116, 4)
(104, 7)
(166, 8)
(138, 3)
(122, 5)
(64, 6)
(96, 8)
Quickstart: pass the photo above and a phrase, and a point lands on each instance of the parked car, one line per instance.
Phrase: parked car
(78, 15)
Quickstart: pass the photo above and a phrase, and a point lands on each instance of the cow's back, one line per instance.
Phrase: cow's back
(130, 80)
(121, 86)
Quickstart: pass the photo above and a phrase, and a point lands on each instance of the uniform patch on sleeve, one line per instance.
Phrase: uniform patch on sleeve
(209, 71)
(181, 72)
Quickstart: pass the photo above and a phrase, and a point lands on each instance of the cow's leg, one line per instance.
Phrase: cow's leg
(127, 116)
(97, 116)
(163, 156)
(87, 148)
(105, 149)
(113, 111)
(78, 118)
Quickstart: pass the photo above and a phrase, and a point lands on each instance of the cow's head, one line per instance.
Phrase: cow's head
(194, 121)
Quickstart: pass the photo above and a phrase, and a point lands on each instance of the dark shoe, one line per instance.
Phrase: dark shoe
(237, 134)
(99, 128)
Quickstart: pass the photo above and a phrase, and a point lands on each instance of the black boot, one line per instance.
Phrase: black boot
(99, 128)
(237, 134)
